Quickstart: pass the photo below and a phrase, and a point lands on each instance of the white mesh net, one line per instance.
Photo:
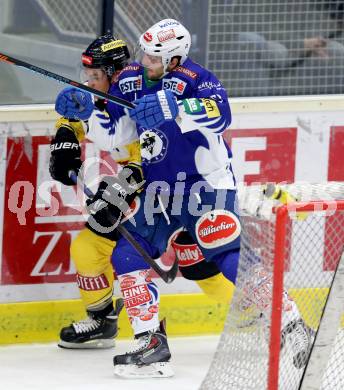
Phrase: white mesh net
(277, 47)
(145, 13)
(311, 246)
(255, 47)
(77, 16)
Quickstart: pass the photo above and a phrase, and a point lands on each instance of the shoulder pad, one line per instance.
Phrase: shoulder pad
(190, 74)
(75, 127)
(133, 68)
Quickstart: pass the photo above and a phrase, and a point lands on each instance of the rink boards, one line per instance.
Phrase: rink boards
(282, 139)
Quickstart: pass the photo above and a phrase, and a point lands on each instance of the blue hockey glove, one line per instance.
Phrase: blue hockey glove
(155, 109)
(74, 104)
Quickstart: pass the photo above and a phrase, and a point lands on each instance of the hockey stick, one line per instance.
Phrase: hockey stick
(167, 276)
(13, 61)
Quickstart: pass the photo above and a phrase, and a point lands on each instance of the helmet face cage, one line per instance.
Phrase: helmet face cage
(147, 60)
(107, 53)
(87, 74)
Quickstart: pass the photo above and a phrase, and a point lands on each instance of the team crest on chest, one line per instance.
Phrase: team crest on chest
(153, 146)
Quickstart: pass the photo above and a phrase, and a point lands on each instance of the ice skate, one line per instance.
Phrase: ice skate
(150, 358)
(300, 337)
(95, 332)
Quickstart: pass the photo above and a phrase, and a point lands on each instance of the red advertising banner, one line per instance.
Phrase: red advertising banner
(335, 173)
(336, 154)
(275, 155)
(35, 245)
(41, 217)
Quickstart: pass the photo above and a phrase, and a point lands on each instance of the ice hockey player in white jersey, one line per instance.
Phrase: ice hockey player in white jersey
(90, 251)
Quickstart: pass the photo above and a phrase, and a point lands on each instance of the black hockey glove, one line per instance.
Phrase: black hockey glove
(113, 199)
(65, 156)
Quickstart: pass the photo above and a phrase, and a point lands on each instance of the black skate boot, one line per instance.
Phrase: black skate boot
(97, 331)
(150, 358)
(301, 338)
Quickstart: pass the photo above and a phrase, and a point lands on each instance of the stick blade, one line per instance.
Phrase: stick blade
(171, 274)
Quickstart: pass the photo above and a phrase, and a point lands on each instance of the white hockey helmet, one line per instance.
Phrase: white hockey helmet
(166, 39)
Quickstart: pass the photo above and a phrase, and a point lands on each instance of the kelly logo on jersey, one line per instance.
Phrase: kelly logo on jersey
(175, 85)
(187, 254)
(131, 84)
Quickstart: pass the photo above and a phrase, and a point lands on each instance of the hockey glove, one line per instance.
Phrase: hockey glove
(74, 104)
(65, 156)
(113, 199)
(155, 109)
(104, 217)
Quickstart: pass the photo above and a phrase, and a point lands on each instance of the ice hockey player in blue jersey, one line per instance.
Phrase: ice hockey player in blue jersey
(181, 111)
(91, 253)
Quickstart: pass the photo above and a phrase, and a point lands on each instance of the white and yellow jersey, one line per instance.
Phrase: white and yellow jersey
(121, 153)
(105, 135)
(127, 153)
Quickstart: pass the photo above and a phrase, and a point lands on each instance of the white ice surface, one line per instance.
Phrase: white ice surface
(47, 367)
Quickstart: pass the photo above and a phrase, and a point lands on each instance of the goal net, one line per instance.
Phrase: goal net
(284, 330)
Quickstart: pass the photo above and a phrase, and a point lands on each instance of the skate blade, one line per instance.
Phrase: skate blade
(154, 370)
(92, 344)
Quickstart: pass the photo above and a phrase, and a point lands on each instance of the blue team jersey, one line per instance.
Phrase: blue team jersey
(190, 149)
